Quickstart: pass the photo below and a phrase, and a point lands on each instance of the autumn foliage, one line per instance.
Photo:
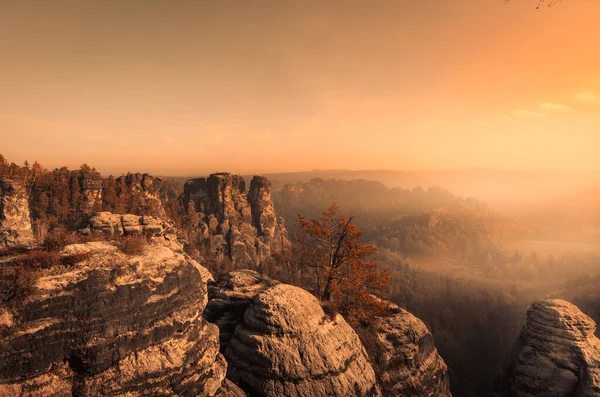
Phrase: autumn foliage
(337, 265)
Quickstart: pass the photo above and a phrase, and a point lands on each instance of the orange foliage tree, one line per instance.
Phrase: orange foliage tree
(339, 271)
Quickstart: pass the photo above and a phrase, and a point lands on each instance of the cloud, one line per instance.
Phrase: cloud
(528, 113)
(553, 107)
(587, 96)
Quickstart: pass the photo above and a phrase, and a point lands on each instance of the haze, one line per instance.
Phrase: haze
(190, 87)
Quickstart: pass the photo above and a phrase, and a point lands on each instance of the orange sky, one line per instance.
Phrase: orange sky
(189, 87)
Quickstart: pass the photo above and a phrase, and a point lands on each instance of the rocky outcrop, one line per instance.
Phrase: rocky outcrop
(232, 224)
(116, 225)
(15, 222)
(404, 356)
(288, 346)
(556, 355)
(229, 298)
(114, 325)
(142, 193)
(400, 347)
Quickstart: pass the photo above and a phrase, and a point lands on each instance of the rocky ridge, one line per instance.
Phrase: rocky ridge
(556, 355)
(231, 223)
(15, 222)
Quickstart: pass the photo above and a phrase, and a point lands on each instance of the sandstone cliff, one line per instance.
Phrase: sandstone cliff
(232, 224)
(15, 223)
(114, 325)
(556, 355)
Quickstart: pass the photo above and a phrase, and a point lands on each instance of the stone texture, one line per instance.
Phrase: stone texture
(114, 325)
(556, 355)
(404, 356)
(288, 346)
(232, 224)
(15, 222)
(229, 298)
(144, 191)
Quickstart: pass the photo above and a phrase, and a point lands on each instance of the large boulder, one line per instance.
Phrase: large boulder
(404, 356)
(114, 325)
(556, 355)
(15, 222)
(288, 346)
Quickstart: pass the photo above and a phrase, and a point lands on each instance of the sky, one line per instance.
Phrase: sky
(190, 87)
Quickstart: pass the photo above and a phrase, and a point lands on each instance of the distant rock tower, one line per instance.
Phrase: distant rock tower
(90, 187)
(15, 223)
(231, 223)
(143, 190)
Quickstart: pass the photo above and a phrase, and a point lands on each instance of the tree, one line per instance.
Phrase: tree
(339, 271)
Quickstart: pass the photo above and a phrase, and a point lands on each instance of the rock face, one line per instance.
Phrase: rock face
(404, 356)
(15, 223)
(232, 224)
(142, 191)
(556, 355)
(229, 298)
(114, 325)
(288, 346)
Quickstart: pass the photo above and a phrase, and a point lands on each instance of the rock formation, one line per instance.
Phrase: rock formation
(401, 349)
(114, 325)
(404, 356)
(232, 224)
(116, 225)
(142, 193)
(15, 223)
(229, 298)
(89, 183)
(288, 346)
(556, 355)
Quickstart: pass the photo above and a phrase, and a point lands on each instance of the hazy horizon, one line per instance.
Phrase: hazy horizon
(294, 86)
